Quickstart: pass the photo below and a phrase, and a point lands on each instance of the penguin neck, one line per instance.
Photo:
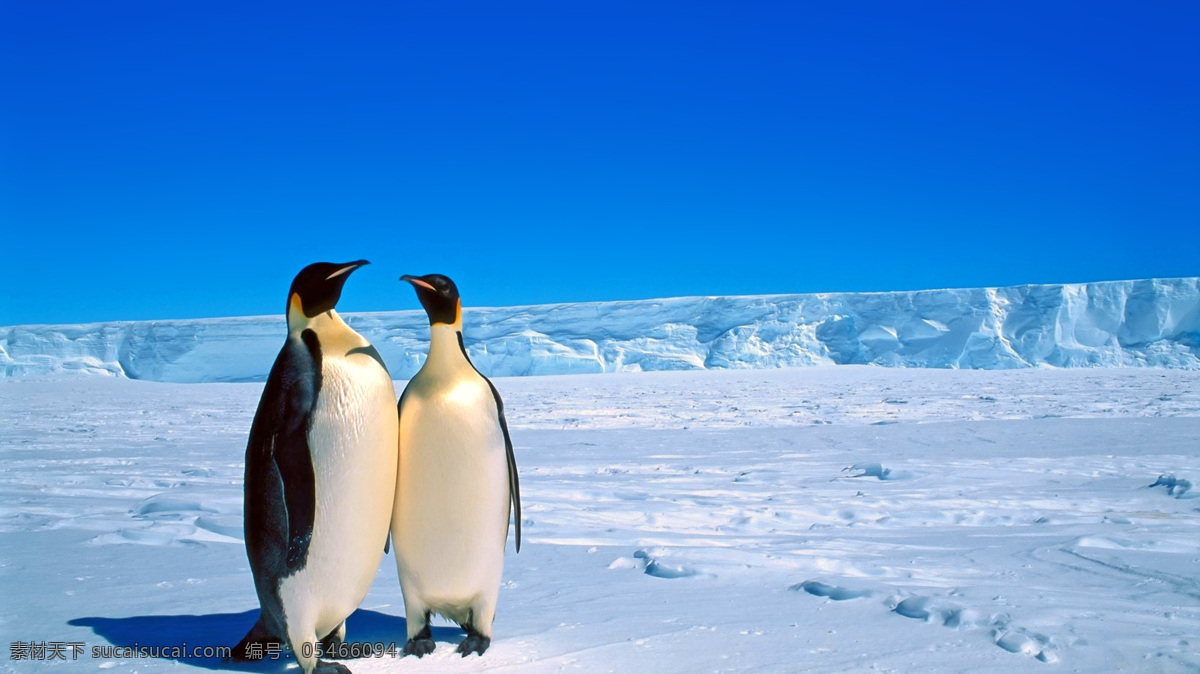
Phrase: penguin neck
(445, 346)
(335, 335)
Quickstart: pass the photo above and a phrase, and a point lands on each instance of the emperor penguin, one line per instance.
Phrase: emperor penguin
(320, 475)
(457, 478)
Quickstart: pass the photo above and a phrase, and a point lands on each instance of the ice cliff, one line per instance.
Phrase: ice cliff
(1120, 323)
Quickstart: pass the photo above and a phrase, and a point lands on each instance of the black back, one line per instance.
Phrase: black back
(280, 486)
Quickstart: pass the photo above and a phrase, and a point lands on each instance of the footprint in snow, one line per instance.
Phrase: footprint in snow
(937, 612)
(1020, 640)
(229, 525)
(167, 506)
(916, 608)
(934, 612)
(877, 470)
(652, 566)
(1176, 487)
(1011, 639)
(173, 520)
(818, 589)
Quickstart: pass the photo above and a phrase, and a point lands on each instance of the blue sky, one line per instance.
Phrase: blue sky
(185, 159)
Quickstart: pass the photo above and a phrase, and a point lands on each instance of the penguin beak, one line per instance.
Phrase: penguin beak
(347, 268)
(417, 282)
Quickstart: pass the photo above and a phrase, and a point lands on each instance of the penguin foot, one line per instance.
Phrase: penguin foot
(331, 644)
(252, 651)
(421, 643)
(327, 667)
(254, 645)
(474, 643)
(331, 641)
(419, 646)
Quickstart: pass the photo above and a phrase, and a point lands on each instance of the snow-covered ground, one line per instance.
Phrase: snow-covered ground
(810, 519)
(1153, 322)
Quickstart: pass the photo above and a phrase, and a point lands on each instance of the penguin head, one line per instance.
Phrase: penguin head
(439, 296)
(316, 290)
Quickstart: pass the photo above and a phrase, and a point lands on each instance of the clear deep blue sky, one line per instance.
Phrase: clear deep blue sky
(184, 159)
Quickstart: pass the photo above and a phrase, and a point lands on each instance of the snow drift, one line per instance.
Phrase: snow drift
(1120, 323)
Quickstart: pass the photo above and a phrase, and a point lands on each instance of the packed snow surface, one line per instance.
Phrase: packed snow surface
(806, 519)
(1119, 323)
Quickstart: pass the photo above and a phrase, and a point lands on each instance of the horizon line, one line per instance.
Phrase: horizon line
(630, 301)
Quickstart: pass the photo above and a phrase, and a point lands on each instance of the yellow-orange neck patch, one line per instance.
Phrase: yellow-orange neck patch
(295, 316)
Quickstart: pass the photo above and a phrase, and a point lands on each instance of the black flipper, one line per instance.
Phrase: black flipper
(514, 485)
(296, 468)
(280, 487)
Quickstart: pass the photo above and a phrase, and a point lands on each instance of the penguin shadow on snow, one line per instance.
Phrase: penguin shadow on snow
(226, 629)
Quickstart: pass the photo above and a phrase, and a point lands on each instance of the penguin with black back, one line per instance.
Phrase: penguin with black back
(457, 484)
(320, 475)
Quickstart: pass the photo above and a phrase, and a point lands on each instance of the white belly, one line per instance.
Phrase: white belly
(450, 519)
(353, 444)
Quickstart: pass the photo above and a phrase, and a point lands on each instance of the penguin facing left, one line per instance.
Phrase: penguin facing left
(457, 484)
(320, 474)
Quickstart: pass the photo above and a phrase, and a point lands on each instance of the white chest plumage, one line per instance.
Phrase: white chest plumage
(450, 519)
(351, 439)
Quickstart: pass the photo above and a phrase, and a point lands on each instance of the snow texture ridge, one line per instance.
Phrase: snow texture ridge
(1153, 323)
